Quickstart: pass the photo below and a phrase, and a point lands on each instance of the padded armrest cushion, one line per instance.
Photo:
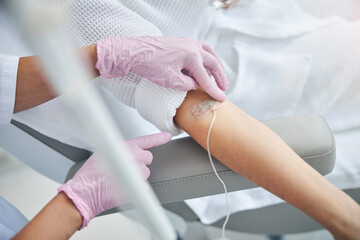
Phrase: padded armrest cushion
(181, 168)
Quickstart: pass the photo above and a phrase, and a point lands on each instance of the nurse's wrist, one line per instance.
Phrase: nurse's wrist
(90, 53)
(72, 214)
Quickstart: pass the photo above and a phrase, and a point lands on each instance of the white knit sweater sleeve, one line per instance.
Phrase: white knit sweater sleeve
(8, 75)
(105, 18)
(156, 104)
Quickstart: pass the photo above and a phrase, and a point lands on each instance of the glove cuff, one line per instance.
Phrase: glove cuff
(83, 208)
(114, 57)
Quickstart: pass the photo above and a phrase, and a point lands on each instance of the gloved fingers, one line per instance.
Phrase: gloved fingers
(202, 78)
(182, 80)
(91, 164)
(145, 157)
(152, 140)
(212, 64)
(187, 83)
(145, 171)
(206, 47)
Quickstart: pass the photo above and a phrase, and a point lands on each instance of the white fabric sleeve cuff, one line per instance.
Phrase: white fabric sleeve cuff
(122, 88)
(158, 105)
(8, 76)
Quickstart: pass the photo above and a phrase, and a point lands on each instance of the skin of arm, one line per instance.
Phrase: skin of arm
(253, 150)
(32, 86)
(58, 220)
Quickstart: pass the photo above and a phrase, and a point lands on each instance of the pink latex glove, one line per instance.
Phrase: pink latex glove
(171, 62)
(93, 191)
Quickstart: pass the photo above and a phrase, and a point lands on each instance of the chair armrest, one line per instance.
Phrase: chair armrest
(181, 168)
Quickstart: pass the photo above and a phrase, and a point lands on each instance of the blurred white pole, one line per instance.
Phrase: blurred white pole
(43, 26)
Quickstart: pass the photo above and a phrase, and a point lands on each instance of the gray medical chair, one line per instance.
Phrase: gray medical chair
(181, 170)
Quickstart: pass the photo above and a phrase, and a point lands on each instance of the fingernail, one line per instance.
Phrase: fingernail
(222, 97)
(226, 85)
(217, 94)
(167, 136)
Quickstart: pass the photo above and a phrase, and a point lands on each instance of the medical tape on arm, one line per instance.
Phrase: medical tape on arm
(202, 109)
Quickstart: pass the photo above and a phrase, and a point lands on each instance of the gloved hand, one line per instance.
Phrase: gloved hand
(93, 191)
(171, 62)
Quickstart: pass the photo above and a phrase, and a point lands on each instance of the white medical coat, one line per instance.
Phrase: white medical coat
(10, 48)
(11, 219)
(8, 71)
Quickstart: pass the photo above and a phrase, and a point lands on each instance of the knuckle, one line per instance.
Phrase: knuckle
(149, 157)
(206, 45)
(192, 52)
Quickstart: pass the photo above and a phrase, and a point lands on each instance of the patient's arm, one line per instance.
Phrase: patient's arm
(254, 151)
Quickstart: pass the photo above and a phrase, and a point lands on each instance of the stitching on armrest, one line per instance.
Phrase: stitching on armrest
(227, 172)
(333, 147)
(189, 179)
(323, 155)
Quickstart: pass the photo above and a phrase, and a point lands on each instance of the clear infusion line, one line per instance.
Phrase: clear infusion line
(217, 175)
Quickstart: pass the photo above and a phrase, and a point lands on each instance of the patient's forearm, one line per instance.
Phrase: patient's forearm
(254, 151)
